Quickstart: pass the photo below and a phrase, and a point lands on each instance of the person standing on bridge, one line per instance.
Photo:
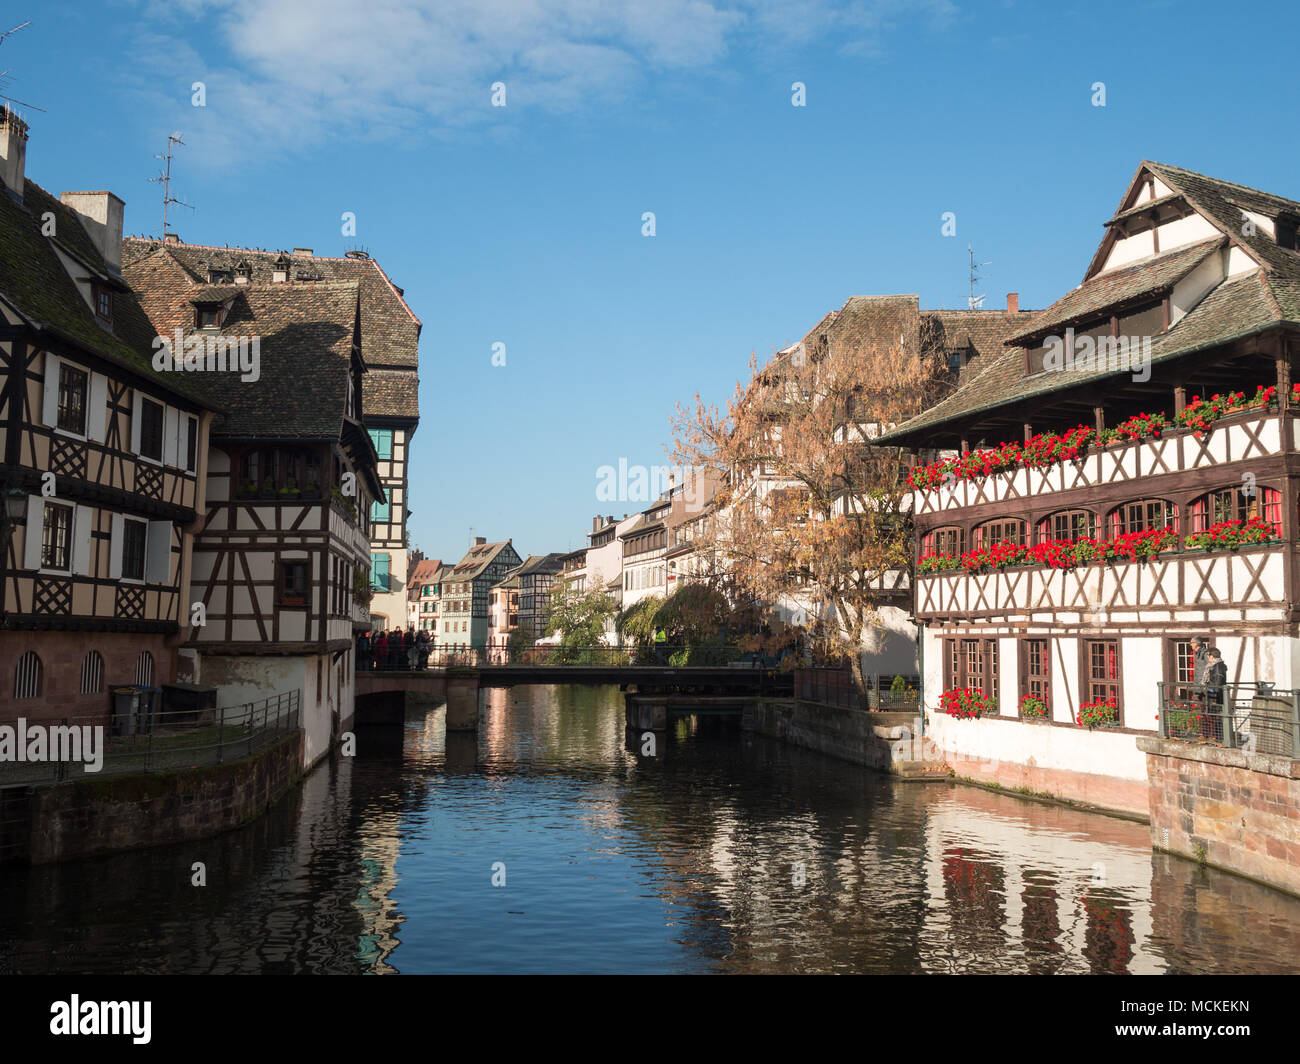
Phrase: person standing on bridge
(661, 640)
(381, 650)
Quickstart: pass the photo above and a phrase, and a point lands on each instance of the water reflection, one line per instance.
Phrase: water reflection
(723, 852)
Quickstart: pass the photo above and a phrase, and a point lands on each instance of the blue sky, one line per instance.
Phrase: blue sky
(523, 224)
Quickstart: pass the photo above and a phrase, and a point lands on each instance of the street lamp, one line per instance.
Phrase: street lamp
(13, 515)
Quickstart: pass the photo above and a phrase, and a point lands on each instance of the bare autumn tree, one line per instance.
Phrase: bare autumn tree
(810, 512)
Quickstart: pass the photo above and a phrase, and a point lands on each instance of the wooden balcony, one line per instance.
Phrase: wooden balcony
(1248, 436)
(1160, 589)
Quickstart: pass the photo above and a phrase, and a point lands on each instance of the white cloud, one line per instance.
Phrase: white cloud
(296, 72)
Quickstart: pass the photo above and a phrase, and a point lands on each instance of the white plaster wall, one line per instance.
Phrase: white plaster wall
(1097, 751)
(1194, 287)
(1185, 231)
(1239, 262)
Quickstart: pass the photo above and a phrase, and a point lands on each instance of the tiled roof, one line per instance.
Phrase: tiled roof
(35, 283)
(389, 393)
(1127, 284)
(540, 563)
(390, 331)
(1240, 307)
(305, 334)
(424, 571)
(477, 559)
(1237, 308)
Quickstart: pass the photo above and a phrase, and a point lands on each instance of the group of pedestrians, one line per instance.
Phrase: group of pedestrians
(394, 650)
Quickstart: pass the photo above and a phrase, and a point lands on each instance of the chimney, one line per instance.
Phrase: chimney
(595, 523)
(101, 217)
(171, 238)
(1013, 302)
(304, 252)
(13, 152)
(479, 540)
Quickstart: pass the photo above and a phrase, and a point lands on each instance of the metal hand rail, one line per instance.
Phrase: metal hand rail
(1256, 717)
(166, 740)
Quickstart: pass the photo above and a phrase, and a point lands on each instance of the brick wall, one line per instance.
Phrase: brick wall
(1233, 810)
(62, 655)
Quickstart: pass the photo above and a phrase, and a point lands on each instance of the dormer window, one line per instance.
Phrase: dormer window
(220, 277)
(207, 315)
(1286, 232)
(103, 297)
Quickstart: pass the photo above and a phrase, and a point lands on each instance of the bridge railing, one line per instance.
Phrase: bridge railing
(677, 655)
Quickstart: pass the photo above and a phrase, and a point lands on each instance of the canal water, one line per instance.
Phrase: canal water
(550, 843)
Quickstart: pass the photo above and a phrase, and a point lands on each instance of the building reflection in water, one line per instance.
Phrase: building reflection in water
(722, 852)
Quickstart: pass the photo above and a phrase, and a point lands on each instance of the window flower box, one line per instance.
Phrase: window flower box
(1100, 713)
(967, 702)
(1033, 708)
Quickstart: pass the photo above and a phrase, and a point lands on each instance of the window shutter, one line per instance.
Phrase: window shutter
(171, 427)
(136, 399)
(115, 548)
(158, 553)
(50, 404)
(83, 523)
(97, 408)
(35, 526)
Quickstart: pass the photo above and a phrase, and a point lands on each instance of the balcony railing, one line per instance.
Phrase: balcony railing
(1253, 434)
(1251, 575)
(1255, 717)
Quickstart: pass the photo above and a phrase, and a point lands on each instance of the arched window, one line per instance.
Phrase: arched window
(1068, 525)
(1143, 516)
(951, 540)
(92, 673)
(144, 669)
(1236, 503)
(29, 677)
(1003, 530)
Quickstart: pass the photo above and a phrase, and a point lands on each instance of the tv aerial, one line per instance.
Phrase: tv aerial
(164, 178)
(4, 74)
(975, 302)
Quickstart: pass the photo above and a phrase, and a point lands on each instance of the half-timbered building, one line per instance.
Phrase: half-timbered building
(283, 545)
(466, 591)
(1120, 478)
(390, 334)
(103, 459)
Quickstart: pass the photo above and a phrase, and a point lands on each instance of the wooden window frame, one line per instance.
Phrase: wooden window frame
(133, 577)
(1086, 679)
(1117, 518)
(1046, 525)
(102, 296)
(145, 404)
(68, 372)
(49, 546)
(1201, 518)
(290, 598)
(980, 534)
(1028, 678)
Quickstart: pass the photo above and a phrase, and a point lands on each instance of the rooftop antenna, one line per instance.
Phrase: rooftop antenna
(164, 178)
(975, 302)
(4, 74)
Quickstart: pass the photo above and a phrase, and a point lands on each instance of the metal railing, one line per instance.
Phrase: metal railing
(833, 686)
(162, 741)
(1256, 717)
(666, 654)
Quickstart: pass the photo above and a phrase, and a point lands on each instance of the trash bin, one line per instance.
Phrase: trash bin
(134, 707)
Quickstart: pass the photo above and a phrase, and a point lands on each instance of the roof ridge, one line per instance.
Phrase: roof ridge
(1220, 181)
